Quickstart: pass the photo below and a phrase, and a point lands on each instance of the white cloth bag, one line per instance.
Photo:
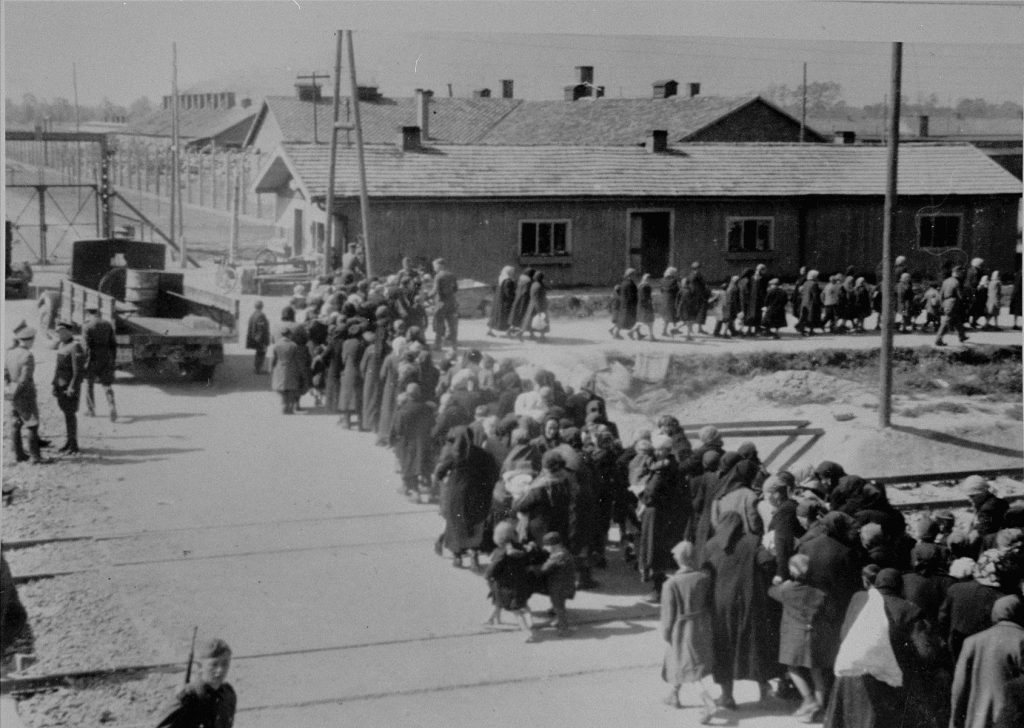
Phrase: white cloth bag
(866, 649)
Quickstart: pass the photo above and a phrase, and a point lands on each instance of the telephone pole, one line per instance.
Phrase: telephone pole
(885, 354)
(313, 78)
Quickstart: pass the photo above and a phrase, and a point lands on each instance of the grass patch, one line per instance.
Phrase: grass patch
(954, 408)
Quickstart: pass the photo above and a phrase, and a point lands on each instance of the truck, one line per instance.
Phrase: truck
(161, 324)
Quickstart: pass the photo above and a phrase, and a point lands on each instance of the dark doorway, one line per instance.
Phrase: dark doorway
(650, 240)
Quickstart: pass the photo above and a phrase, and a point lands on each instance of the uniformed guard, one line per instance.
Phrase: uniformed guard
(20, 391)
(100, 359)
(68, 373)
(209, 701)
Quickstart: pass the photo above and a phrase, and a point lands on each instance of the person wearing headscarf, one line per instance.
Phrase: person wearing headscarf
(669, 301)
(783, 526)
(389, 388)
(547, 504)
(666, 513)
(521, 301)
(926, 586)
(774, 315)
(628, 302)
(710, 441)
(603, 453)
(350, 395)
(865, 700)
(681, 448)
(987, 509)
(748, 451)
(810, 305)
(687, 628)
(536, 320)
(829, 474)
(702, 489)
(369, 370)
(468, 474)
(967, 604)
(645, 306)
(410, 438)
(504, 297)
(735, 495)
(746, 642)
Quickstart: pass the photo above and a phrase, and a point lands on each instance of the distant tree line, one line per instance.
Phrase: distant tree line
(825, 98)
(33, 110)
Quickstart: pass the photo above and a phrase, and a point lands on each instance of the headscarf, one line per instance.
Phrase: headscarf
(709, 435)
(748, 451)
(829, 474)
(727, 462)
(461, 441)
(507, 274)
(710, 460)
(728, 533)
(986, 570)
(741, 475)
(927, 559)
(837, 526)
(1008, 609)
(889, 581)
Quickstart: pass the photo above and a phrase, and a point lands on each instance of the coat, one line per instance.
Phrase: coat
(546, 505)
(466, 495)
(669, 299)
(257, 335)
(686, 627)
(501, 308)
(286, 366)
(988, 661)
(746, 640)
(369, 369)
(410, 437)
(806, 638)
(388, 397)
(538, 303)
(350, 398)
(666, 514)
(645, 304)
(965, 611)
(629, 298)
(693, 301)
(775, 309)
(521, 301)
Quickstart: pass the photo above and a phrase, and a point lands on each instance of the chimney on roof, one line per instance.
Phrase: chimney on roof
(368, 94)
(482, 93)
(584, 74)
(922, 126)
(844, 137)
(245, 103)
(665, 89)
(694, 89)
(409, 139)
(306, 91)
(423, 112)
(657, 141)
(506, 88)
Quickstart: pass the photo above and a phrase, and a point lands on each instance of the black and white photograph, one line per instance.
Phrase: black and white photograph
(441, 363)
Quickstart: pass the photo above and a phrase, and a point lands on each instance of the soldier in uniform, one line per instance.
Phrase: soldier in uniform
(20, 391)
(209, 701)
(446, 316)
(100, 358)
(951, 295)
(68, 373)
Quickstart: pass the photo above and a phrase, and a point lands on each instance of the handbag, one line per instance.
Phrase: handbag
(540, 322)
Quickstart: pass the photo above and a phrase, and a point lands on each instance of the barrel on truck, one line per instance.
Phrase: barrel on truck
(159, 322)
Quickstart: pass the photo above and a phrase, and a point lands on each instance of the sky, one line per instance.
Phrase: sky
(122, 50)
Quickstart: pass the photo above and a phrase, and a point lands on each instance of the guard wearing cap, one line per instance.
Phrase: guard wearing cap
(951, 295)
(100, 359)
(20, 391)
(68, 372)
(209, 701)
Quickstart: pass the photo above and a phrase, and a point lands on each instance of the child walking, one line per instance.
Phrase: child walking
(558, 573)
(509, 579)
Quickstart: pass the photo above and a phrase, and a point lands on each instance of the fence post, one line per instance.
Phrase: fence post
(202, 158)
(228, 160)
(243, 187)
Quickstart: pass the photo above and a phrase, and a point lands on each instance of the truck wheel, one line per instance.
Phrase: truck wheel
(49, 305)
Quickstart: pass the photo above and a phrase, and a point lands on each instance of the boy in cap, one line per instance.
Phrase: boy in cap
(209, 701)
(68, 373)
(20, 391)
(100, 359)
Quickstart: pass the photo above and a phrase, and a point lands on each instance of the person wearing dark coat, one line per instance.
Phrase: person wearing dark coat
(369, 369)
(681, 448)
(969, 291)
(257, 336)
(350, 397)
(693, 300)
(710, 441)
(469, 474)
(521, 301)
(1012, 713)
(784, 526)
(905, 303)
(501, 306)
(810, 305)
(989, 510)
(755, 303)
(988, 661)
(669, 301)
(667, 509)
(774, 317)
(548, 502)
(966, 608)
(645, 306)
(410, 438)
(538, 305)
(701, 488)
(389, 394)
(286, 376)
(1016, 301)
(629, 298)
(926, 586)
(733, 305)
(746, 643)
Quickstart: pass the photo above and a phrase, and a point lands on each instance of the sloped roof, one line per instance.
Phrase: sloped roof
(604, 121)
(688, 170)
(452, 120)
(192, 123)
(873, 127)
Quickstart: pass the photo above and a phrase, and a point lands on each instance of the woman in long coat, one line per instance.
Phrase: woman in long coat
(665, 517)
(286, 375)
(645, 304)
(745, 286)
(369, 368)
(521, 301)
(501, 306)
(746, 642)
(538, 305)
(389, 393)
(669, 301)
(469, 474)
(350, 397)
(410, 437)
(628, 301)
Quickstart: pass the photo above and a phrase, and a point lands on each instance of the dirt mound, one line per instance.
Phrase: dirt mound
(802, 387)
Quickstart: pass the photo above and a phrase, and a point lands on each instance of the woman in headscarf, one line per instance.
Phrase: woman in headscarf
(504, 297)
(517, 318)
(546, 506)
(927, 584)
(627, 309)
(734, 495)
(702, 487)
(710, 441)
(389, 389)
(350, 397)
(410, 437)
(988, 661)
(746, 643)
(369, 368)
(666, 514)
(536, 319)
(468, 474)
(829, 474)
(669, 301)
(645, 306)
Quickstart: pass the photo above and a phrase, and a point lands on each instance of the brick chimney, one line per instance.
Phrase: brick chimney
(844, 137)
(368, 94)
(584, 74)
(657, 141)
(306, 92)
(423, 112)
(665, 89)
(506, 88)
(482, 93)
(694, 89)
(409, 138)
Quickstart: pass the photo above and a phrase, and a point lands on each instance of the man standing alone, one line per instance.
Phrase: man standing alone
(100, 358)
(446, 317)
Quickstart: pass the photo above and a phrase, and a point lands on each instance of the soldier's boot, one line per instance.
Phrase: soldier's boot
(111, 404)
(33, 445)
(16, 444)
(71, 446)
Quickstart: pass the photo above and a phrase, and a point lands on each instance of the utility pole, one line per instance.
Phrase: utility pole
(885, 355)
(174, 155)
(313, 77)
(329, 227)
(364, 198)
(803, 106)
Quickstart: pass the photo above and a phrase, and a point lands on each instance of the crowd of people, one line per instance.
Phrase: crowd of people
(755, 303)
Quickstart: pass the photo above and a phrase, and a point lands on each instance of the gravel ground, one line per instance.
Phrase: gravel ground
(125, 700)
(56, 557)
